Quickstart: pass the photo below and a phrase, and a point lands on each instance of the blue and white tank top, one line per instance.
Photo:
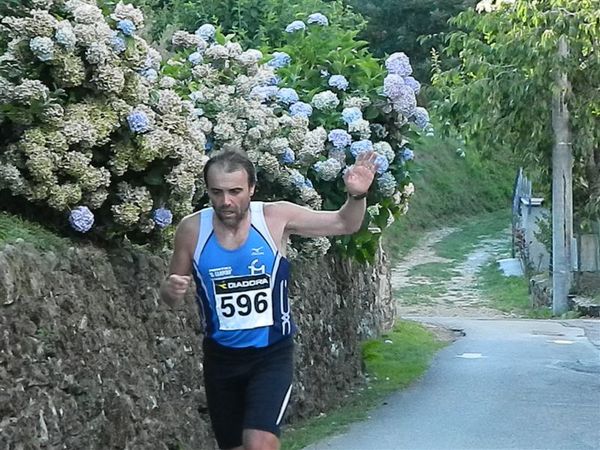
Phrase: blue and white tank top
(243, 293)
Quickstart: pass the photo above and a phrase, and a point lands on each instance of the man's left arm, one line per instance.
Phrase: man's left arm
(346, 220)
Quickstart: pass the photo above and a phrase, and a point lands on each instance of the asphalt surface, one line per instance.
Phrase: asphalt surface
(507, 384)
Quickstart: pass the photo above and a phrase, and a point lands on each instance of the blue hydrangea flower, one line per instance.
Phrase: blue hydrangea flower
(393, 85)
(287, 96)
(198, 112)
(150, 75)
(386, 184)
(407, 154)
(81, 219)
(339, 138)
(273, 80)
(206, 32)
(319, 19)
(399, 64)
(117, 43)
(413, 84)
(126, 26)
(195, 96)
(288, 156)
(42, 48)
(264, 93)
(338, 82)
(195, 58)
(339, 154)
(138, 121)
(350, 115)
(301, 109)
(65, 37)
(324, 73)
(307, 183)
(358, 147)
(406, 101)
(382, 164)
(163, 217)
(420, 117)
(210, 143)
(279, 60)
(297, 178)
(296, 25)
(328, 170)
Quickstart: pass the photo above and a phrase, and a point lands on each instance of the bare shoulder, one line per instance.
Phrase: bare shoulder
(281, 211)
(188, 228)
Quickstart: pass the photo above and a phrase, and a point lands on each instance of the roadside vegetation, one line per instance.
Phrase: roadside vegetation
(393, 361)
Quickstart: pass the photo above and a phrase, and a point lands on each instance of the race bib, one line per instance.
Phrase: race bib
(244, 302)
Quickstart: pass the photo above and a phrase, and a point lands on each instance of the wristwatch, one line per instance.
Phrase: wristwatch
(359, 196)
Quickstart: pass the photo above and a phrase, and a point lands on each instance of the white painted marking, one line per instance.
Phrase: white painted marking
(470, 356)
(561, 342)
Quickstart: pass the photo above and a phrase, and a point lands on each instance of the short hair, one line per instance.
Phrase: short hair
(231, 161)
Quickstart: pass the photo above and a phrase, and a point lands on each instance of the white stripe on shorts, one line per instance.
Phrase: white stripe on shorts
(284, 405)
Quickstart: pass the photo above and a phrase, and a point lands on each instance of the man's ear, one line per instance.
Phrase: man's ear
(252, 190)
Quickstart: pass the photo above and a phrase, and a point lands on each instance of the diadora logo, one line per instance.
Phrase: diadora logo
(257, 251)
(242, 284)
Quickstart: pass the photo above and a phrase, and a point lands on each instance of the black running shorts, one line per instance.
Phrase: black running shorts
(247, 388)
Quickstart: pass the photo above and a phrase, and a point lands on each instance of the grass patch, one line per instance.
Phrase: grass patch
(508, 294)
(390, 366)
(419, 294)
(13, 228)
(434, 270)
(460, 243)
(449, 188)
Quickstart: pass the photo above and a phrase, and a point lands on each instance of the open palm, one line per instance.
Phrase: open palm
(358, 177)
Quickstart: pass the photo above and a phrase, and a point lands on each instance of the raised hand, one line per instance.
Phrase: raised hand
(358, 177)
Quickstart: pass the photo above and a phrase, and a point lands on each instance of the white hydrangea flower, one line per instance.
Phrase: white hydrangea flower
(128, 12)
(87, 14)
(249, 57)
(217, 51)
(325, 100)
(185, 39)
(360, 126)
(167, 82)
(385, 149)
(30, 91)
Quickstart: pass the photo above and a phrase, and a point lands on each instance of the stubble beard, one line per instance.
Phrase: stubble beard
(232, 220)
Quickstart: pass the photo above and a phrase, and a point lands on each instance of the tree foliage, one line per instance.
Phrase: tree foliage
(394, 24)
(255, 23)
(499, 95)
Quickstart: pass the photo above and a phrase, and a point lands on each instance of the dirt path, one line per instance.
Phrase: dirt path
(458, 296)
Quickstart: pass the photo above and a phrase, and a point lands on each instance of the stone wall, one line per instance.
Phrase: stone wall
(90, 359)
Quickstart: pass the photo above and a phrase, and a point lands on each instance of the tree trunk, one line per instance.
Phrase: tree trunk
(562, 196)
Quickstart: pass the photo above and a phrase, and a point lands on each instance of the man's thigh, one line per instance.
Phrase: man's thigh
(269, 390)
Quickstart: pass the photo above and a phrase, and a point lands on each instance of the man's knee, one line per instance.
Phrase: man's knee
(260, 440)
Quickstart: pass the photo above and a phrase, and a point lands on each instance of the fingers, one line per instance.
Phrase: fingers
(367, 159)
(178, 284)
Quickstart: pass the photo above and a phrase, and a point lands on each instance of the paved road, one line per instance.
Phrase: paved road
(507, 384)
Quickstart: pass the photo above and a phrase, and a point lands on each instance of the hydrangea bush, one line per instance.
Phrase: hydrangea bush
(88, 127)
(97, 128)
(303, 113)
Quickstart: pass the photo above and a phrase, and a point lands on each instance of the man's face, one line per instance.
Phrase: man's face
(229, 193)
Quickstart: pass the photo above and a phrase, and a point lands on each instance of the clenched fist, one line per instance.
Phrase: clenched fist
(174, 288)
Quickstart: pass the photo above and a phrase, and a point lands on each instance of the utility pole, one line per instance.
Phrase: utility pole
(562, 187)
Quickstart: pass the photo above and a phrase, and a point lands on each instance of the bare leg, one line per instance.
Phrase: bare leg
(260, 440)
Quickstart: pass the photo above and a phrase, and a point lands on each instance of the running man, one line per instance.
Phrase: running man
(235, 251)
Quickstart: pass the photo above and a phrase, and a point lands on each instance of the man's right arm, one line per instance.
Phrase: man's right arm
(174, 287)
